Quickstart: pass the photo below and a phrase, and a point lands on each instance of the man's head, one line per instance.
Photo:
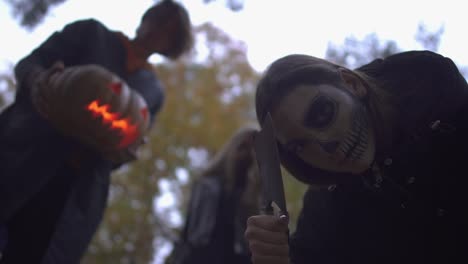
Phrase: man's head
(320, 115)
(165, 28)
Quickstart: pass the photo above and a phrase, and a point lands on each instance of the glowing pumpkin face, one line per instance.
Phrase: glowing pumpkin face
(95, 106)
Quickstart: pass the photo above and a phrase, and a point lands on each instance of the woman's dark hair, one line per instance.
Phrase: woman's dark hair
(288, 72)
(164, 12)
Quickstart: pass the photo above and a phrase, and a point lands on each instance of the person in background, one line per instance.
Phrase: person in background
(53, 190)
(225, 193)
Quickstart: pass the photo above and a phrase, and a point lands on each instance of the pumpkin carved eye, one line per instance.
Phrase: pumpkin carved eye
(95, 106)
(116, 87)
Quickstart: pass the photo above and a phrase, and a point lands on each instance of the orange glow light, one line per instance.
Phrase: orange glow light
(128, 131)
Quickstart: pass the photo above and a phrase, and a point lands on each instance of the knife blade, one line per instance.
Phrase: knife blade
(266, 153)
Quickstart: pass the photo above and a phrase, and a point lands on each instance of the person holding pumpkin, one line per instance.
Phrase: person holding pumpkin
(53, 185)
(383, 148)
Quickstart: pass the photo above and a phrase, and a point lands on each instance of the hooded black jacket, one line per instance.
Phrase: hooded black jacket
(413, 208)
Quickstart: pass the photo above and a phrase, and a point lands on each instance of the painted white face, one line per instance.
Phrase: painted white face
(327, 127)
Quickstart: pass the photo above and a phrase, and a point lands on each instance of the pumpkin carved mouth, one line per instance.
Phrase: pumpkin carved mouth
(128, 131)
(97, 108)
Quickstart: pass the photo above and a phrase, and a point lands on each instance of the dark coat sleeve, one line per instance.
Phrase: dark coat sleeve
(65, 46)
(345, 224)
(32, 151)
(203, 210)
(315, 235)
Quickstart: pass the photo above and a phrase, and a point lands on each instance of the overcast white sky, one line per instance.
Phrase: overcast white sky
(270, 28)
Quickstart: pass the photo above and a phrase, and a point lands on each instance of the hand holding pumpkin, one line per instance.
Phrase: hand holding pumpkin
(40, 84)
(95, 107)
(129, 153)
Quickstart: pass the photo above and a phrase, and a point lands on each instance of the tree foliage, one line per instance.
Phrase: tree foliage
(234, 5)
(31, 12)
(205, 103)
(7, 89)
(354, 52)
(429, 40)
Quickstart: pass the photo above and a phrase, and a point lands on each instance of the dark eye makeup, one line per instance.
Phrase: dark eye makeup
(321, 112)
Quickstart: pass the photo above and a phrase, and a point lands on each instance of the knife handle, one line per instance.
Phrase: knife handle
(267, 210)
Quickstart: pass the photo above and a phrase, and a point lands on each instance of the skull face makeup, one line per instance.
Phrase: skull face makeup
(326, 126)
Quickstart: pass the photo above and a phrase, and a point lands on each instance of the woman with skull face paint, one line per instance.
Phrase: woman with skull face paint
(382, 147)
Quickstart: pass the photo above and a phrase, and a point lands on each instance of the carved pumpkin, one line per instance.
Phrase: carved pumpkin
(95, 106)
